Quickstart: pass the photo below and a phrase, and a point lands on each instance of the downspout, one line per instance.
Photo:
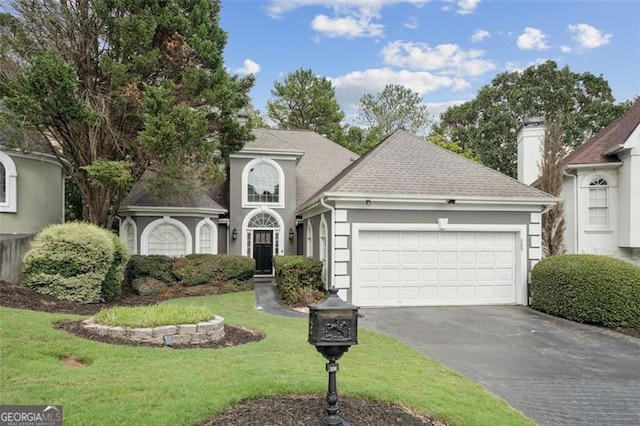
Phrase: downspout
(333, 240)
(575, 208)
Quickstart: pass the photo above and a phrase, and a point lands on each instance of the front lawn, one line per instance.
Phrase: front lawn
(142, 385)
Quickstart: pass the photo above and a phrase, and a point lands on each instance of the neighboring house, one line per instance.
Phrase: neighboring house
(601, 186)
(407, 224)
(31, 190)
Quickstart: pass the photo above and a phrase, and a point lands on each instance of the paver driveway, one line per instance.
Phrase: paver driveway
(555, 371)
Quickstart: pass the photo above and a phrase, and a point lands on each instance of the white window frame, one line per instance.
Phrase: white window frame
(309, 247)
(607, 207)
(245, 181)
(247, 233)
(144, 238)
(214, 236)
(125, 238)
(10, 204)
(323, 251)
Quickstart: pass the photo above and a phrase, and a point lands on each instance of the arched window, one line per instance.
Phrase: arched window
(128, 234)
(206, 237)
(324, 247)
(309, 239)
(599, 202)
(8, 184)
(166, 236)
(262, 183)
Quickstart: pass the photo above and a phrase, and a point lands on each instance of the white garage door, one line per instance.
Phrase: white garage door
(414, 268)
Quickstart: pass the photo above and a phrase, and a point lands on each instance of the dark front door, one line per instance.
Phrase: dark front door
(263, 251)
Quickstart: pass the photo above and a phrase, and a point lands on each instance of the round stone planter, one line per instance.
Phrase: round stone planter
(169, 335)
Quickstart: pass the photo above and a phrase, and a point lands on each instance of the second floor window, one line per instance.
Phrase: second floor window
(263, 184)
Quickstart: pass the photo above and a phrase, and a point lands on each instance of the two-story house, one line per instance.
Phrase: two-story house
(601, 186)
(409, 223)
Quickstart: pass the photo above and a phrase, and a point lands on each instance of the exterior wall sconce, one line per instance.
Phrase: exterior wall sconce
(367, 202)
(290, 234)
(451, 202)
(234, 234)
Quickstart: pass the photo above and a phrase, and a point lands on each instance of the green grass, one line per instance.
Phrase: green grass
(152, 316)
(161, 386)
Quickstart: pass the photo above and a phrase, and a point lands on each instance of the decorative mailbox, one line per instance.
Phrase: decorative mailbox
(333, 322)
(333, 329)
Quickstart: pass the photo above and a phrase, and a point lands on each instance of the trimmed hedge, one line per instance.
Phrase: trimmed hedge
(587, 288)
(294, 273)
(76, 261)
(197, 269)
(151, 274)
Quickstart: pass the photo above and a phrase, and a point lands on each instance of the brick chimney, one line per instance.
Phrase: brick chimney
(530, 140)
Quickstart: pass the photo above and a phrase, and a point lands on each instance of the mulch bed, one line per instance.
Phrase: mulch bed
(291, 410)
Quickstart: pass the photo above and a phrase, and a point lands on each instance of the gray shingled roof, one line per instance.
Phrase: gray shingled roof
(140, 196)
(322, 159)
(404, 164)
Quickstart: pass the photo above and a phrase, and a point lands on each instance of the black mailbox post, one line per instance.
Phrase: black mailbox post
(333, 329)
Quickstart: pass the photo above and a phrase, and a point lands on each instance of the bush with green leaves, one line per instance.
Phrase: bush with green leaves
(294, 273)
(195, 269)
(154, 265)
(75, 261)
(587, 288)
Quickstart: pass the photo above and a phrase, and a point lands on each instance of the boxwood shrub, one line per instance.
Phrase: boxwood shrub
(153, 265)
(587, 288)
(294, 273)
(197, 269)
(75, 261)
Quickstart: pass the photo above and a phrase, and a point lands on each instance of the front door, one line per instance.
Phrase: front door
(263, 251)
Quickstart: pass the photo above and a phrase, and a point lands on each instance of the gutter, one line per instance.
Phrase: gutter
(333, 240)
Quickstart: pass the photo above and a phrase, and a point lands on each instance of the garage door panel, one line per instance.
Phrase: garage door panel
(435, 268)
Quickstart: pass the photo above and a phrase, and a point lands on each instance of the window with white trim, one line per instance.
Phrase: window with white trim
(309, 239)
(599, 203)
(263, 184)
(324, 247)
(8, 184)
(206, 237)
(130, 235)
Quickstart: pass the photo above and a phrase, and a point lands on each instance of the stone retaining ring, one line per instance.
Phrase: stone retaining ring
(169, 335)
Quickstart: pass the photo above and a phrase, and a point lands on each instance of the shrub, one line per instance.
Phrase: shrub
(197, 269)
(155, 265)
(112, 285)
(152, 316)
(148, 286)
(296, 272)
(588, 288)
(71, 261)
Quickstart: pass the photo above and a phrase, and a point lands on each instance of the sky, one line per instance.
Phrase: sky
(445, 50)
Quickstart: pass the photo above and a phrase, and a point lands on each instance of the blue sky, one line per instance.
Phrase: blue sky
(446, 50)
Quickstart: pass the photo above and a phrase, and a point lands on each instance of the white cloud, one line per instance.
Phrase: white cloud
(351, 87)
(479, 35)
(445, 58)
(277, 8)
(466, 7)
(249, 67)
(349, 27)
(411, 23)
(532, 39)
(565, 49)
(587, 36)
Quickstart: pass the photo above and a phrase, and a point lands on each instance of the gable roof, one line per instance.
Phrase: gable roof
(407, 165)
(596, 150)
(321, 161)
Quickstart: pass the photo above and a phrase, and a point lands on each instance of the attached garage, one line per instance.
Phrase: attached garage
(420, 267)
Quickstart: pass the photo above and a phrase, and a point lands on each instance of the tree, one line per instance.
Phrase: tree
(357, 139)
(396, 107)
(550, 181)
(454, 147)
(120, 87)
(305, 101)
(488, 124)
